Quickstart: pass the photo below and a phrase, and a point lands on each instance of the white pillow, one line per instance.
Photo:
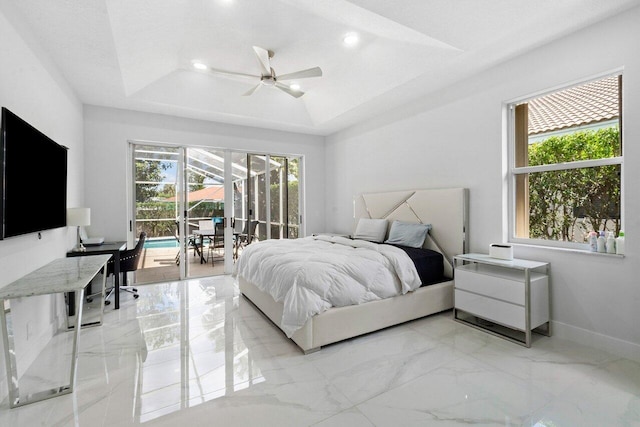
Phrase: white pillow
(408, 234)
(373, 230)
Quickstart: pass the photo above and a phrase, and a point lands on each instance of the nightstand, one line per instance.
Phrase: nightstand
(507, 298)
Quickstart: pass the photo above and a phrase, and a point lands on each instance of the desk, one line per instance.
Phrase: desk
(107, 248)
(210, 233)
(59, 276)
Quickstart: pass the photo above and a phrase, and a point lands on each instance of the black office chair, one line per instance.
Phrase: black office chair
(129, 260)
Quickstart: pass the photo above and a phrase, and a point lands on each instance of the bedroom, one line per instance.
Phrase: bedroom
(595, 300)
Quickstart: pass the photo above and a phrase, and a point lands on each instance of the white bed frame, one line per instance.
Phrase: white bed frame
(445, 210)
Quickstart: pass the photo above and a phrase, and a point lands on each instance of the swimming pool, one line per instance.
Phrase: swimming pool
(161, 242)
(164, 242)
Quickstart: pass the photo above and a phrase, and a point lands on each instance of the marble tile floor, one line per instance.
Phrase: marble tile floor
(196, 353)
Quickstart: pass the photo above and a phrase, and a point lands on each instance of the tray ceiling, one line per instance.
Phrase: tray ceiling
(137, 54)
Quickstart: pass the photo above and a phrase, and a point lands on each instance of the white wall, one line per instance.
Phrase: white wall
(32, 88)
(107, 132)
(455, 138)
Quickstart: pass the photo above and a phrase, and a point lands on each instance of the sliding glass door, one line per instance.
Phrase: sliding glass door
(266, 196)
(204, 211)
(201, 207)
(179, 202)
(157, 180)
(285, 197)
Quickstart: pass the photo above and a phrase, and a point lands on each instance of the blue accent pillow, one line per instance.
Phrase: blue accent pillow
(408, 234)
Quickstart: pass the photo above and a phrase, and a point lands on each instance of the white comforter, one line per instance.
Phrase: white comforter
(312, 274)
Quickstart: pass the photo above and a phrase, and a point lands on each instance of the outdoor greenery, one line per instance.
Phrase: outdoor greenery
(156, 208)
(152, 216)
(154, 202)
(567, 204)
(148, 172)
(292, 208)
(292, 212)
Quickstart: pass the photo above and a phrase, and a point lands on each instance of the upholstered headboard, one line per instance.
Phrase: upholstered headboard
(445, 209)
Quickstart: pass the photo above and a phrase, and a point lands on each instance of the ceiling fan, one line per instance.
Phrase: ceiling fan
(268, 76)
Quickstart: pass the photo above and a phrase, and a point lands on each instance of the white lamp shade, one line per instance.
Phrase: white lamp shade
(79, 216)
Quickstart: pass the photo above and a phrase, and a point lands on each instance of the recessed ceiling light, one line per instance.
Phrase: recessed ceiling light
(199, 65)
(294, 86)
(350, 39)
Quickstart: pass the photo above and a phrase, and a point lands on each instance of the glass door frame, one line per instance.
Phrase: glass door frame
(183, 195)
(180, 199)
(229, 208)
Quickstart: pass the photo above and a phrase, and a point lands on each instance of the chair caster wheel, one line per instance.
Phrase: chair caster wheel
(136, 296)
(107, 302)
(89, 299)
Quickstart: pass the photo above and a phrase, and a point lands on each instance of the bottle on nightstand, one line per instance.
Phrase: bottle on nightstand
(593, 241)
(602, 243)
(620, 243)
(611, 243)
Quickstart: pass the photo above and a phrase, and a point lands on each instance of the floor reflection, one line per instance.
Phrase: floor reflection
(194, 351)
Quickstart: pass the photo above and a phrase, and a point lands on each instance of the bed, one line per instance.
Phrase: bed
(445, 210)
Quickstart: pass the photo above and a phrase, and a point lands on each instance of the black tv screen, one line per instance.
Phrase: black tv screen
(33, 179)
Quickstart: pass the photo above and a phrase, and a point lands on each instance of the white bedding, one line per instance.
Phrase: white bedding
(312, 274)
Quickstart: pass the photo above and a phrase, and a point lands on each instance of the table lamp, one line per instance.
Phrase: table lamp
(79, 217)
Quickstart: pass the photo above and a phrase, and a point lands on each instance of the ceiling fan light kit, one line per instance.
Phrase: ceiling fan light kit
(199, 65)
(268, 75)
(350, 39)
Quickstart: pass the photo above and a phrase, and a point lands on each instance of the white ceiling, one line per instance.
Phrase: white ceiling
(137, 54)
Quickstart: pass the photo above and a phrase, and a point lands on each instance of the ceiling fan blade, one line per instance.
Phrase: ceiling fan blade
(252, 90)
(231, 73)
(303, 74)
(263, 58)
(295, 93)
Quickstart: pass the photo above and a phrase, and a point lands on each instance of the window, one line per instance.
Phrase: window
(565, 164)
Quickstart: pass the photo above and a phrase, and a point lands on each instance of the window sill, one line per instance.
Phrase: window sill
(568, 250)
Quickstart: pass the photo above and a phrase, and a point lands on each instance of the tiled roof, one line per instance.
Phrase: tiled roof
(214, 193)
(580, 105)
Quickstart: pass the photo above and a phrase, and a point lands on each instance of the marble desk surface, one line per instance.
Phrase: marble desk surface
(60, 275)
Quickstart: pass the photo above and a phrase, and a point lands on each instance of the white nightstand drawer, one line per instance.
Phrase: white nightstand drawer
(480, 280)
(505, 313)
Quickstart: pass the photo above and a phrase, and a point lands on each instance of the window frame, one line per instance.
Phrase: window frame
(512, 172)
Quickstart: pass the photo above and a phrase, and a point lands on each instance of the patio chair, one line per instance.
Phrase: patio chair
(191, 243)
(216, 241)
(247, 236)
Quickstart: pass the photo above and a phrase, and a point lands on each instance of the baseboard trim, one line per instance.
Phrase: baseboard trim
(616, 346)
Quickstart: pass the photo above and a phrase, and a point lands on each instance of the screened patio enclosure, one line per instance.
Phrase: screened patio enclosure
(175, 188)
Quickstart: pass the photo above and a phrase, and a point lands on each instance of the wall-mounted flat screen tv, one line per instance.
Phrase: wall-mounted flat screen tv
(33, 179)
